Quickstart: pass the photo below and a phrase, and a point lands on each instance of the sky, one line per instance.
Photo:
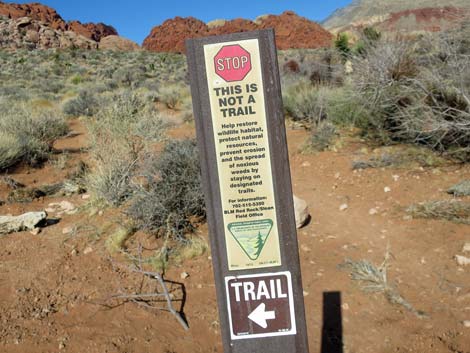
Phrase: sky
(134, 19)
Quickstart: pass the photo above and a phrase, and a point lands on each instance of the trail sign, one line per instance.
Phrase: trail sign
(260, 305)
(240, 129)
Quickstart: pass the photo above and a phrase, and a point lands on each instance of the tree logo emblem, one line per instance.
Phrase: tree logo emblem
(251, 236)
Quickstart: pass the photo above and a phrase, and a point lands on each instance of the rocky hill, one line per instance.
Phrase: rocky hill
(26, 33)
(392, 13)
(50, 17)
(292, 31)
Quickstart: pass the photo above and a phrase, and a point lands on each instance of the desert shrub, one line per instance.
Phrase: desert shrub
(172, 195)
(130, 75)
(342, 44)
(11, 150)
(171, 95)
(304, 102)
(417, 92)
(119, 135)
(85, 104)
(322, 137)
(319, 66)
(29, 133)
(312, 104)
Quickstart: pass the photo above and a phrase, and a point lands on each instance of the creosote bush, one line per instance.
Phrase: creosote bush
(172, 194)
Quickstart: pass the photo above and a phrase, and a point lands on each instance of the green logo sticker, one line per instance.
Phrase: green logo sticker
(251, 235)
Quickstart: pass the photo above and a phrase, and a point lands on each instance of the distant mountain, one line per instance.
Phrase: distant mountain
(371, 12)
(292, 31)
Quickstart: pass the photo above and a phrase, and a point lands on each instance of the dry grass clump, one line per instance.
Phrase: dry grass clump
(450, 210)
(460, 189)
(401, 157)
(28, 134)
(373, 279)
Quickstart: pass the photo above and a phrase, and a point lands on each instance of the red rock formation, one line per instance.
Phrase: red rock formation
(425, 19)
(292, 31)
(233, 26)
(170, 36)
(50, 16)
(94, 31)
(35, 11)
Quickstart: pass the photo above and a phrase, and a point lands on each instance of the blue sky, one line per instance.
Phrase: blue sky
(134, 19)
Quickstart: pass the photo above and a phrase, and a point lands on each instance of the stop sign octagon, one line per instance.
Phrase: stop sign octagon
(232, 63)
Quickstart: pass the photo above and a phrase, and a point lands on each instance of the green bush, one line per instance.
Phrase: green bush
(172, 194)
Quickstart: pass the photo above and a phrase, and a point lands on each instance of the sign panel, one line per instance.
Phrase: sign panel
(260, 305)
(237, 103)
(239, 118)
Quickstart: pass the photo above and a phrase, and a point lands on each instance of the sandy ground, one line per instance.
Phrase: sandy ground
(56, 289)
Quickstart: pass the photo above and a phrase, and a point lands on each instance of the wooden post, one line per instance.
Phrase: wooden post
(241, 135)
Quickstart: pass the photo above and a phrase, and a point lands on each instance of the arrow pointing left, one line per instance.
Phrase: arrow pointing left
(260, 315)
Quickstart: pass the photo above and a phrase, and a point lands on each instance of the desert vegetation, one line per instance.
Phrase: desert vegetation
(406, 103)
(413, 91)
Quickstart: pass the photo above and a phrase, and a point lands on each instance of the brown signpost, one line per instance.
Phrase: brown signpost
(245, 168)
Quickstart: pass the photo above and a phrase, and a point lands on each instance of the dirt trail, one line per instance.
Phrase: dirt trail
(53, 285)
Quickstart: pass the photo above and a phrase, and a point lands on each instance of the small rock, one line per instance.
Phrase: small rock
(88, 250)
(387, 189)
(373, 211)
(74, 252)
(466, 323)
(305, 293)
(395, 177)
(466, 247)
(345, 306)
(67, 230)
(306, 164)
(63, 207)
(301, 212)
(86, 196)
(305, 248)
(343, 207)
(184, 275)
(462, 260)
(35, 231)
(100, 213)
(337, 175)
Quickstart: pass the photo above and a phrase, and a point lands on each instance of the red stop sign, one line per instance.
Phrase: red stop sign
(232, 63)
